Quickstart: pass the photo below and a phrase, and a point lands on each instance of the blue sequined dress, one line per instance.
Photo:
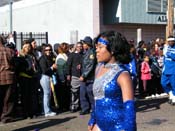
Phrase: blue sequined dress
(110, 113)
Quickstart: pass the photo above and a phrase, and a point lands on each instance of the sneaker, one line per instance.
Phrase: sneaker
(163, 94)
(153, 96)
(157, 95)
(171, 95)
(50, 114)
(148, 97)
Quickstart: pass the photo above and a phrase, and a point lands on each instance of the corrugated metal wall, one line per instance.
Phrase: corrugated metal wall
(135, 11)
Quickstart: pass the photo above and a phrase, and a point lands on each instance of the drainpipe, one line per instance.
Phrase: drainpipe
(11, 15)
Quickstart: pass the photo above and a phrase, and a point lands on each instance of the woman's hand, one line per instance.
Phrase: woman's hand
(90, 128)
(93, 128)
(54, 66)
(81, 78)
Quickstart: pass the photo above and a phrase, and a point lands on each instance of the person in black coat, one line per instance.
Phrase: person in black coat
(73, 74)
(87, 76)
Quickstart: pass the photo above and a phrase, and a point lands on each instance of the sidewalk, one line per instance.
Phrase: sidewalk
(62, 122)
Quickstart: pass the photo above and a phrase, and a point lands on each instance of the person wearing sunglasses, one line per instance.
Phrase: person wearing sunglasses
(48, 67)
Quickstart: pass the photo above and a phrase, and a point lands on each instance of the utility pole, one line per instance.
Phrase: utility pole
(11, 15)
(170, 21)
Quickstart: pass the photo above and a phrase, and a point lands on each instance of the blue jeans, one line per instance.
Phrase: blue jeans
(45, 84)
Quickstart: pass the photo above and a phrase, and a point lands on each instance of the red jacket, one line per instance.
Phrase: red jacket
(145, 71)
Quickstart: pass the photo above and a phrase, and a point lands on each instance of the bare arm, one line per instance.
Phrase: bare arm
(125, 82)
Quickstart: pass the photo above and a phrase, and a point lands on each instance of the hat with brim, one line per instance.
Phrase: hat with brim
(87, 40)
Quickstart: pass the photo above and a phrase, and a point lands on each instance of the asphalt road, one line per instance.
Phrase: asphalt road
(152, 115)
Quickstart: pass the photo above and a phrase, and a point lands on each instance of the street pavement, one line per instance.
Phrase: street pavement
(152, 115)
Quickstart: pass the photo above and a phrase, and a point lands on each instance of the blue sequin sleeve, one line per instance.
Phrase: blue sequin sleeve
(92, 120)
(130, 116)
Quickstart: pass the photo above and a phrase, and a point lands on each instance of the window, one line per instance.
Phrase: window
(164, 6)
(156, 6)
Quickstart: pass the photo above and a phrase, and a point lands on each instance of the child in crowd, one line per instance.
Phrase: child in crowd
(145, 72)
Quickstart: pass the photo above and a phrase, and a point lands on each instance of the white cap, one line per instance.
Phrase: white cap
(171, 39)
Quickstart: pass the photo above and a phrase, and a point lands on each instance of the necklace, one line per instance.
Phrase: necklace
(109, 65)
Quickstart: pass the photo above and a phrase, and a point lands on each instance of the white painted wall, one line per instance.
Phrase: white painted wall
(57, 17)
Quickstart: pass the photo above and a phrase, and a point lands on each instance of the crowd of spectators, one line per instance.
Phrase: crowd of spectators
(47, 80)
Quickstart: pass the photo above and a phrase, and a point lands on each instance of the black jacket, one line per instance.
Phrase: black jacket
(74, 59)
(45, 65)
(89, 64)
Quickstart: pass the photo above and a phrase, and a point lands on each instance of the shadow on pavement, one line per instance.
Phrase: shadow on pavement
(39, 125)
(157, 121)
(146, 105)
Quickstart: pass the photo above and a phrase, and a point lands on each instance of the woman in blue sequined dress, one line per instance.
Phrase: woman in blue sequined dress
(114, 108)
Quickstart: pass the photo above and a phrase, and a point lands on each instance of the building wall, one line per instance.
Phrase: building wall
(149, 32)
(129, 30)
(134, 11)
(70, 21)
(64, 20)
